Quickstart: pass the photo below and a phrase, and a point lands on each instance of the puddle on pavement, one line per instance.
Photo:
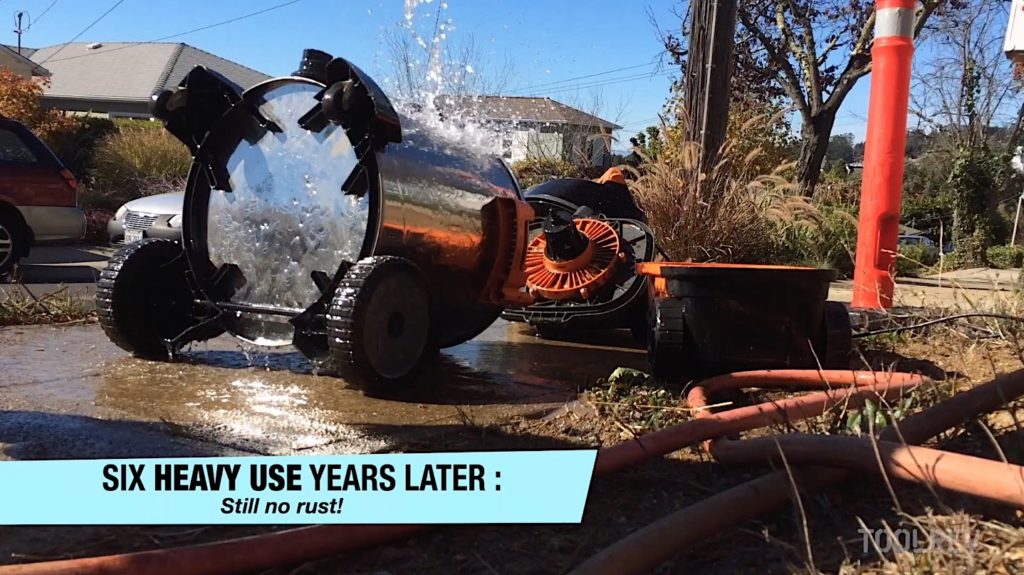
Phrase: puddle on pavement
(273, 402)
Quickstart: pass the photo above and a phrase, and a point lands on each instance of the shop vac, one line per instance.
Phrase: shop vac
(317, 216)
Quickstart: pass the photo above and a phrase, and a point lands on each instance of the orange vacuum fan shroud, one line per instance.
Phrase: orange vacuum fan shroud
(580, 277)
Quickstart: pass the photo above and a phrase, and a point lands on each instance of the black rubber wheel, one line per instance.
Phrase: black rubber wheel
(143, 298)
(666, 340)
(12, 242)
(379, 324)
(639, 322)
(835, 339)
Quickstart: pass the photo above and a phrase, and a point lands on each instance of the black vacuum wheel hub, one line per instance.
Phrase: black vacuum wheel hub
(379, 322)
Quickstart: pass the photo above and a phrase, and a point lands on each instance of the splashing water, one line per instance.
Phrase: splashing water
(439, 109)
(277, 221)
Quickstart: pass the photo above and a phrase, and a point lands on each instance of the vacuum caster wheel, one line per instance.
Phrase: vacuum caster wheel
(379, 323)
(666, 342)
(143, 298)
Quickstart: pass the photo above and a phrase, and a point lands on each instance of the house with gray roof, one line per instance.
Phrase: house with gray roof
(116, 79)
(534, 127)
(20, 63)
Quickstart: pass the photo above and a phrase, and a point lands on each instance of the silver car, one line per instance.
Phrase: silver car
(157, 216)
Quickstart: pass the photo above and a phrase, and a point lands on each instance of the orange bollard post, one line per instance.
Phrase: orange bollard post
(882, 187)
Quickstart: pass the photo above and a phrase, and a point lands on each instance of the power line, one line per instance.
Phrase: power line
(568, 80)
(641, 124)
(609, 82)
(33, 23)
(86, 29)
(185, 33)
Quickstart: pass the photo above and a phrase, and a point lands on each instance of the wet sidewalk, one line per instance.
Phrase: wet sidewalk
(69, 392)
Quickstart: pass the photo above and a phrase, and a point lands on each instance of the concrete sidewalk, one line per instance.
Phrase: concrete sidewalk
(64, 264)
(51, 268)
(967, 296)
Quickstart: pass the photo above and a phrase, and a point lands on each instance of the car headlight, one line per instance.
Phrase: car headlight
(119, 215)
(175, 221)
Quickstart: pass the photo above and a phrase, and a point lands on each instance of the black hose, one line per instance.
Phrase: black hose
(946, 319)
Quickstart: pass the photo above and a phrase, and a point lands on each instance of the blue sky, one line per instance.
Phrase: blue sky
(548, 41)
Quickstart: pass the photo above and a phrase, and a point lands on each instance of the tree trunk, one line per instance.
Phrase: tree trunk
(814, 145)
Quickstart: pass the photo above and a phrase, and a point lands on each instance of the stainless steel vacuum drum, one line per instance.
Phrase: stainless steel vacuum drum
(316, 216)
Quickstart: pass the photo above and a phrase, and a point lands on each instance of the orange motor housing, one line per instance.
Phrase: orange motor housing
(557, 272)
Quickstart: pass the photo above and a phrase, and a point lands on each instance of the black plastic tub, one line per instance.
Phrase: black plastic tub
(717, 318)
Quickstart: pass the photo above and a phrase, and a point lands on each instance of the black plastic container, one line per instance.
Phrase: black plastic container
(718, 318)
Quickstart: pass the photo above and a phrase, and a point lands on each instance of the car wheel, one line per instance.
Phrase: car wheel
(12, 242)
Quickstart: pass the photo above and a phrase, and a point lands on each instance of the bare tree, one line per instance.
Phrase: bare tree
(815, 52)
(968, 86)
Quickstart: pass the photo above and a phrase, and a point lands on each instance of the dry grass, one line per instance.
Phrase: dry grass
(136, 161)
(635, 404)
(20, 306)
(723, 214)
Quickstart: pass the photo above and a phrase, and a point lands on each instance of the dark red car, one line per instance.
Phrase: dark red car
(38, 195)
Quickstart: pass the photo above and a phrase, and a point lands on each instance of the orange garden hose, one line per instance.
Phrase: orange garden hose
(839, 385)
(990, 479)
(994, 480)
(243, 555)
(651, 545)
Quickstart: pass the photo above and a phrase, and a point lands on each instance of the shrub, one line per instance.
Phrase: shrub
(975, 174)
(133, 162)
(911, 260)
(96, 225)
(967, 252)
(75, 144)
(21, 99)
(533, 171)
(1005, 257)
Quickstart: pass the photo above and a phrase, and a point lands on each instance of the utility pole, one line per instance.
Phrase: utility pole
(709, 75)
(19, 29)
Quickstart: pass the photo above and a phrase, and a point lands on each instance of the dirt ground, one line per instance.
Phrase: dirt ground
(99, 410)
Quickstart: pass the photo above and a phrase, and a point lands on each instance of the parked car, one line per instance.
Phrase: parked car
(38, 195)
(157, 216)
(931, 249)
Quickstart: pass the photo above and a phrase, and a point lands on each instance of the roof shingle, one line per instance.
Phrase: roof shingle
(129, 71)
(524, 109)
(24, 56)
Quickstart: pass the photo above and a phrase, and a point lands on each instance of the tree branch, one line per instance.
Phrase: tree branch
(810, 55)
(787, 76)
(857, 66)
